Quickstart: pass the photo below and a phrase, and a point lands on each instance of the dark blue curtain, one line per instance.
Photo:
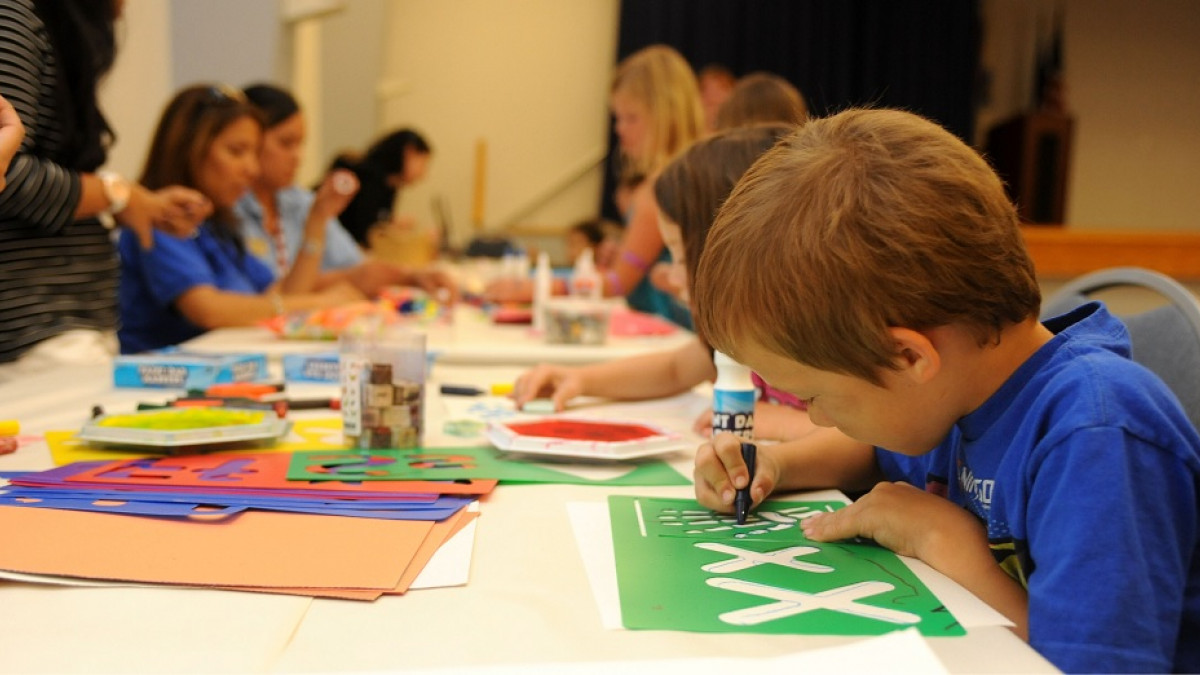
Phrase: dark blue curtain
(919, 55)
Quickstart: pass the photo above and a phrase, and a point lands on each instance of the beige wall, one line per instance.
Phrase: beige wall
(1133, 78)
(140, 82)
(528, 77)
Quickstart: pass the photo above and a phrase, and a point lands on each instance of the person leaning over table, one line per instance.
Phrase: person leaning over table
(58, 267)
(175, 288)
(688, 192)
(291, 229)
(872, 266)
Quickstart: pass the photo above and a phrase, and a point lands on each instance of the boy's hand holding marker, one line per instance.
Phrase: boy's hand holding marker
(721, 471)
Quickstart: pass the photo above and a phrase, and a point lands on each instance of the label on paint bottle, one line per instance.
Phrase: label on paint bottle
(733, 398)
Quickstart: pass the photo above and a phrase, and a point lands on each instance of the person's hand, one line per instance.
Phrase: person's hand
(174, 209)
(900, 517)
(720, 471)
(560, 383)
(12, 133)
(509, 290)
(335, 193)
(436, 282)
(341, 293)
(663, 279)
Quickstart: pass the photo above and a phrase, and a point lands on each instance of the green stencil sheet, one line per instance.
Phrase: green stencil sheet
(472, 462)
(683, 567)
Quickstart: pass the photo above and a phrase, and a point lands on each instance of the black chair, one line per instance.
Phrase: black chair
(1166, 338)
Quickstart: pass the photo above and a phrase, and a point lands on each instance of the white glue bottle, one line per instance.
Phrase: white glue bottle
(733, 398)
(543, 280)
(585, 280)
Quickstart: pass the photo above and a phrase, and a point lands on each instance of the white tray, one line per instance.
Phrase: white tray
(583, 438)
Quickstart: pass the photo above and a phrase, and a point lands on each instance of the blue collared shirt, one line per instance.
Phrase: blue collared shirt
(152, 280)
(294, 203)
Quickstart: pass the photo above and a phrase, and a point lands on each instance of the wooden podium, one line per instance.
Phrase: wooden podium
(1032, 153)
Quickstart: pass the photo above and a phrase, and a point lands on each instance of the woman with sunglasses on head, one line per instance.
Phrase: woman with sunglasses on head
(58, 269)
(175, 288)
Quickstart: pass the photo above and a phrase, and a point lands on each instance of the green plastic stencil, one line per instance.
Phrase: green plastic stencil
(683, 567)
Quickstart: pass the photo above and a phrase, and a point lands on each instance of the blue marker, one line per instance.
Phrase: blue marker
(742, 500)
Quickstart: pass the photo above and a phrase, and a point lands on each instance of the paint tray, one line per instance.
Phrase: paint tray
(583, 438)
(170, 428)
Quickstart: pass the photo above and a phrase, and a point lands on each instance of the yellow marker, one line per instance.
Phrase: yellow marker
(9, 427)
(502, 389)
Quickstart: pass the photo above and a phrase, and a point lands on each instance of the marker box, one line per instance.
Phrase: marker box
(176, 369)
(314, 367)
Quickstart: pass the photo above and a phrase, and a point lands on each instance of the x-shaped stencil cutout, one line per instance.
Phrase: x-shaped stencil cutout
(791, 602)
(743, 559)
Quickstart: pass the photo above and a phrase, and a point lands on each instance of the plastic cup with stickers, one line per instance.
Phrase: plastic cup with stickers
(382, 371)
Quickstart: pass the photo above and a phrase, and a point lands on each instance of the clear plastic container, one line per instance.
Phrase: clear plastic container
(577, 321)
(382, 372)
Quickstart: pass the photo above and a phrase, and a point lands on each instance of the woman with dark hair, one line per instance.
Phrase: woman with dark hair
(296, 232)
(58, 269)
(398, 159)
(175, 288)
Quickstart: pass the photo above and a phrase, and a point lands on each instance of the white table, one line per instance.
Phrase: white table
(528, 601)
(470, 338)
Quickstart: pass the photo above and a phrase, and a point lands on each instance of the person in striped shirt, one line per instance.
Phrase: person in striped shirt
(58, 266)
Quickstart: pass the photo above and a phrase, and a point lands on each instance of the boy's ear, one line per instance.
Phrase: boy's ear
(917, 357)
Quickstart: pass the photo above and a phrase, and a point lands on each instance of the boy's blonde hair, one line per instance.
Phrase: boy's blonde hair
(859, 222)
(659, 78)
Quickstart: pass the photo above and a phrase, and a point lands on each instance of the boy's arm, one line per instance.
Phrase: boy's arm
(940, 533)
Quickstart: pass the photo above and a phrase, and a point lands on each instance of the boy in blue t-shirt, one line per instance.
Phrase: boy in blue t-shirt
(871, 265)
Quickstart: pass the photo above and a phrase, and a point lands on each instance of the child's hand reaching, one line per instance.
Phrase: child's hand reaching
(560, 383)
(720, 471)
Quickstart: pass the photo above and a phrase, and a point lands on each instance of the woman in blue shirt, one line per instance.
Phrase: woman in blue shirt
(296, 233)
(173, 289)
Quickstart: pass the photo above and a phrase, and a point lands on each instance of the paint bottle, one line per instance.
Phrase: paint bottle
(585, 280)
(733, 398)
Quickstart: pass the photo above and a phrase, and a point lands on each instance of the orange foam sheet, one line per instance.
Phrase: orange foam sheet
(251, 549)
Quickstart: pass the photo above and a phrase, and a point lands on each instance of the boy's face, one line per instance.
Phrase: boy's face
(889, 416)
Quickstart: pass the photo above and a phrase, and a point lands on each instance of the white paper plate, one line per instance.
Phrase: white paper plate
(583, 438)
(268, 426)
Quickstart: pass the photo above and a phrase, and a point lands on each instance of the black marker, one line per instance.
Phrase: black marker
(742, 500)
(500, 389)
